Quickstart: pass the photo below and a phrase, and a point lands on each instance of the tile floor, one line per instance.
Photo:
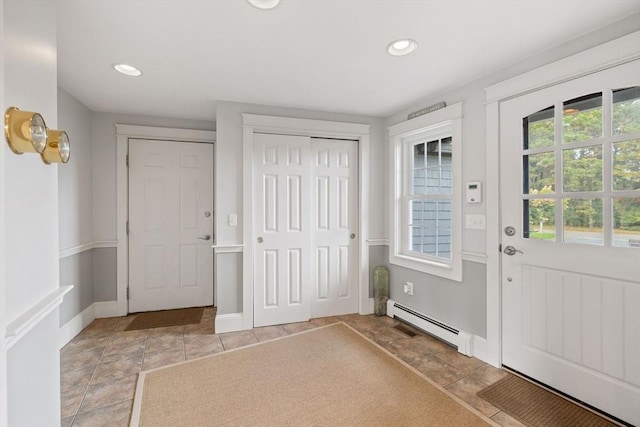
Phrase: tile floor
(100, 366)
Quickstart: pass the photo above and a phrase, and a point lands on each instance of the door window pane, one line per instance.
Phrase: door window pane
(582, 169)
(540, 173)
(539, 129)
(626, 222)
(626, 111)
(583, 221)
(541, 217)
(582, 118)
(626, 165)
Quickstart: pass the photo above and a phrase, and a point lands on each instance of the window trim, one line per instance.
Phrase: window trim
(449, 118)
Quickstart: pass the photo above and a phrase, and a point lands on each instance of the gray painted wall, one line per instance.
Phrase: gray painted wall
(105, 269)
(463, 305)
(76, 270)
(75, 190)
(229, 293)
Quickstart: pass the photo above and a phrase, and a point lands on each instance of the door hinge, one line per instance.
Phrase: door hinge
(127, 160)
(127, 227)
(127, 293)
(500, 248)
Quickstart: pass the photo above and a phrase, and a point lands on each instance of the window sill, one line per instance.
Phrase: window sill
(451, 271)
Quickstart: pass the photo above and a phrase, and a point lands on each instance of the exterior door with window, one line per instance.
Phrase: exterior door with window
(570, 189)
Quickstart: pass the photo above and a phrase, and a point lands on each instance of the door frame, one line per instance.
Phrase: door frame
(254, 123)
(123, 134)
(607, 55)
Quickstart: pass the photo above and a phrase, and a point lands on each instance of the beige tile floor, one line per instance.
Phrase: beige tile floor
(100, 366)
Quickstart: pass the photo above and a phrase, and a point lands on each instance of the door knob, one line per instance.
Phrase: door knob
(510, 250)
(260, 239)
(352, 236)
(205, 237)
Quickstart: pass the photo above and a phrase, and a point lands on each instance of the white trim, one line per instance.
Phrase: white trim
(123, 134)
(480, 348)
(33, 316)
(451, 118)
(227, 249)
(67, 252)
(106, 309)
(607, 55)
(229, 323)
(378, 242)
(474, 257)
(74, 326)
(306, 127)
(171, 134)
(253, 123)
(616, 52)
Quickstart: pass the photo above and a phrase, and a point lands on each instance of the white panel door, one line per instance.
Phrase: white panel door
(170, 225)
(281, 229)
(334, 224)
(570, 188)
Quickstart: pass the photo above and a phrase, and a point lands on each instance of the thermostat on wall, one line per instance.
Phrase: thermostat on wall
(474, 192)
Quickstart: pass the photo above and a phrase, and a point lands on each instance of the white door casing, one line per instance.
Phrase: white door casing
(570, 312)
(170, 217)
(334, 224)
(282, 221)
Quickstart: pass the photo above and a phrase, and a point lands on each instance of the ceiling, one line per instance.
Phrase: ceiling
(314, 54)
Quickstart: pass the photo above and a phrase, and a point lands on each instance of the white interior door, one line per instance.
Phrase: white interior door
(170, 225)
(334, 224)
(281, 221)
(570, 190)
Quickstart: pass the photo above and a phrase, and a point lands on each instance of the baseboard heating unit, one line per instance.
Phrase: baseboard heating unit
(460, 339)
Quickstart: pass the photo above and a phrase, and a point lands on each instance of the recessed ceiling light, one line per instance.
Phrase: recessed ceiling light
(264, 4)
(401, 47)
(128, 70)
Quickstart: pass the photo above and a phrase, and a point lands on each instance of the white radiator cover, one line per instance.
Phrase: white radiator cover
(462, 340)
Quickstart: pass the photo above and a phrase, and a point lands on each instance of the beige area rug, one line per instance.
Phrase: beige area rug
(330, 376)
(159, 319)
(534, 406)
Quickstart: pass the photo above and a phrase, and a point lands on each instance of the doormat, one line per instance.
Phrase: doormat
(159, 319)
(532, 405)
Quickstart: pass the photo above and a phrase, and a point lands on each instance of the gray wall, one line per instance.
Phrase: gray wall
(463, 305)
(75, 190)
(105, 271)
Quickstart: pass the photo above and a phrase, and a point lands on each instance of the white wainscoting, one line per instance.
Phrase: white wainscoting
(30, 318)
(74, 250)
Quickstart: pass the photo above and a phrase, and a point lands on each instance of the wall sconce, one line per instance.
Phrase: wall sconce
(25, 131)
(58, 149)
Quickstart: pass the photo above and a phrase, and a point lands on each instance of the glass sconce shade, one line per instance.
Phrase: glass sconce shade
(58, 148)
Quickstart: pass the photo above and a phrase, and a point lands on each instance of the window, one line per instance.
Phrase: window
(425, 191)
(581, 163)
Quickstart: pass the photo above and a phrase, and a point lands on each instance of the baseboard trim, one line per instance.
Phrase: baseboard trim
(232, 322)
(480, 349)
(106, 309)
(74, 326)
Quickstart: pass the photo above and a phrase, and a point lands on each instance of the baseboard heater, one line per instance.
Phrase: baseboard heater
(460, 339)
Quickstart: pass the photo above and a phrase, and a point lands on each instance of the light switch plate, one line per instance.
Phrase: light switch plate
(475, 222)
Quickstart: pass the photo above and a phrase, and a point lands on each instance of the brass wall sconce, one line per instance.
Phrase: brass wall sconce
(58, 149)
(26, 132)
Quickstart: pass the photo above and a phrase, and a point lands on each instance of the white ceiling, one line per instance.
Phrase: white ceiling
(313, 54)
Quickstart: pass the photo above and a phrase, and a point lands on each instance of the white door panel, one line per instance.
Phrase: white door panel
(281, 257)
(306, 209)
(170, 193)
(570, 306)
(334, 206)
